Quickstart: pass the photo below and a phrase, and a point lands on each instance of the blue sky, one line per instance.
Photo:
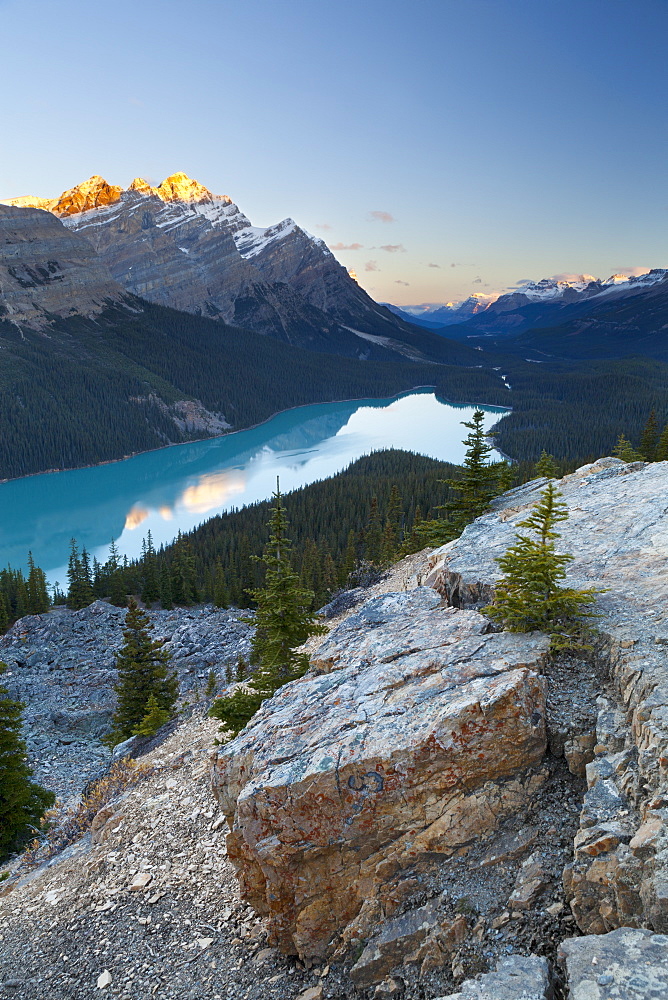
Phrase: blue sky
(513, 139)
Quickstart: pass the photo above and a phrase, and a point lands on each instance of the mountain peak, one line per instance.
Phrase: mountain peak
(93, 193)
(180, 187)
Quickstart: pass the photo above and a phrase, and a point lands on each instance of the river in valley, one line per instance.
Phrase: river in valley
(174, 489)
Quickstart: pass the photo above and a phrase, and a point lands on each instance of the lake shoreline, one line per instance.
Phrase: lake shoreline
(240, 430)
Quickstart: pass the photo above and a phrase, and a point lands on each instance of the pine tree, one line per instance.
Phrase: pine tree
(4, 615)
(143, 670)
(166, 601)
(373, 535)
(662, 447)
(392, 529)
(38, 595)
(80, 592)
(625, 450)
(154, 718)
(116, 581)
(349, 561)
(151, 588)
(220, 595)
(22, 801)
(650, 438)
(480, 479)
(545, 466)
(529, 596)
(282, 623)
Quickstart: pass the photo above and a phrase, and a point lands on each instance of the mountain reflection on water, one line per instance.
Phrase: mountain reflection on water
(176, 488)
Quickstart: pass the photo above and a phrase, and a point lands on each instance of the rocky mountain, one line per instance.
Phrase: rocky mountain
(46, 270)
(182, 246)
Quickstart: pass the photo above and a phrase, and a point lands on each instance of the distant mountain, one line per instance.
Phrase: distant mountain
(181, 246)
(434, 315)
(631, 321)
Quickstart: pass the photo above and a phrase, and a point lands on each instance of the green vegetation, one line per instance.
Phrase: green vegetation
(529, 596)
(143, 673)
(477, 483)
(22, 801)
(282, 623)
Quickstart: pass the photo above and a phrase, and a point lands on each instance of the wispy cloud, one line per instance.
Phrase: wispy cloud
(393, 248)
(345, 246)
(477, 281)
(322, 225)
(398, 282)
(437, 265)
(381, 217)
(371, 265)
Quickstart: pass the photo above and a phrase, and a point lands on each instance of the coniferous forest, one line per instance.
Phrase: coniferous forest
(97, 390)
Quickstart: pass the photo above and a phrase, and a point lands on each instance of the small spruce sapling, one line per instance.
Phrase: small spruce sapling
(529, 596)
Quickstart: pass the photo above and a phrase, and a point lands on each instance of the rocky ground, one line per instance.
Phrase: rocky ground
(61, 666)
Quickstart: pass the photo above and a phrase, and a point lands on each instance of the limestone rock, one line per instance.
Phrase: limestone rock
(518, 977)
(425, 936)
(625, 964)
(617, 531)
(348, 783)
(46, 270)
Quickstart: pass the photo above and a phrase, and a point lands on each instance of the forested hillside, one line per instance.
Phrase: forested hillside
(91, 391)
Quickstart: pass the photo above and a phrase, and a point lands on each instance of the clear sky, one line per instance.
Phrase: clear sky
(456, 145)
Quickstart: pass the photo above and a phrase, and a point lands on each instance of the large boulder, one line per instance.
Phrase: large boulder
(415, 733)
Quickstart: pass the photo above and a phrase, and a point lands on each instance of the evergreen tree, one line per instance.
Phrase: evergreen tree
(151, 588)
(4, 615)
(282, 623)
(38, 595)
(154, 718)
(480, 479)
(546, 466)
(373, 535)
(220, 595)
(662, 447)
(116, 587)
(392, 529)
(650, 438)
(143, 670)
(625, 450)
(166, 601)
(529, 596)
(22, 801)
(349, 561)
(80, 592)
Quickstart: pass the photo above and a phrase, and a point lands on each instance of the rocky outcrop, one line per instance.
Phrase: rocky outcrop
(518, 977)
(61, 666)
(46, 270)
(617, 533)
(623, 965)
(415, 734)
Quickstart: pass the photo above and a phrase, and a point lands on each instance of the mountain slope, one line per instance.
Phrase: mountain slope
(46, 270)
(181, 246)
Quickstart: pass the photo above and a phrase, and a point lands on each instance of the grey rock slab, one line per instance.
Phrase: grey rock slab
(414, 737)
(518, 977)
(625, 964)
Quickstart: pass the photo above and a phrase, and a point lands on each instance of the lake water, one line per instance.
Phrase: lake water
(175, 489)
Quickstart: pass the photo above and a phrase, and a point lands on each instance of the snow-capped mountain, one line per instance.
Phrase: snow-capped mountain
(182, 246)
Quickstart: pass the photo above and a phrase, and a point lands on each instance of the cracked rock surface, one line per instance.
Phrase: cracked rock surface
(417, 732)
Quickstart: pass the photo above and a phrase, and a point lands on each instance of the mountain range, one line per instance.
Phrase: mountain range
(180, 245)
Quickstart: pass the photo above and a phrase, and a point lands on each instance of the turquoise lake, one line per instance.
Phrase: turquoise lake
(174, 489)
